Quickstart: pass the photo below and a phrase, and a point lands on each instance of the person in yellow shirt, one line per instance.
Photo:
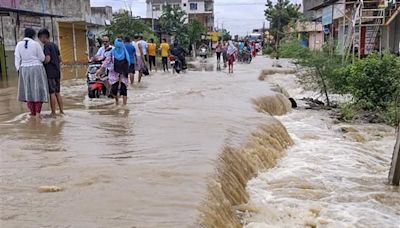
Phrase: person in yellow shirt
(164, 53)
(152, 47)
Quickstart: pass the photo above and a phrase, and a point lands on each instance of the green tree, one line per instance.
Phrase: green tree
(280, 15)
(195, 29)
(125, 25)
(225, 35)
(172, 20)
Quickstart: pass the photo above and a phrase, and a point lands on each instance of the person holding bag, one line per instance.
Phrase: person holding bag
(117, 65)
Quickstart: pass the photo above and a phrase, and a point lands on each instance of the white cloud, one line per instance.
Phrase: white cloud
(238, 16)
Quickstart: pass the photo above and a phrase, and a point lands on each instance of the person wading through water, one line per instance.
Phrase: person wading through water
(218, 51)
(132, 56)
(232, 50)
(140, 61)
(117, 65)
(52, 65)
(32, 82)
(164, 47)
(152, 49)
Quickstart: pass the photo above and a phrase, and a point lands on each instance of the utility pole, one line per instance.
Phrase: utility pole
(263, 34)
(394, 173)
(152, 17)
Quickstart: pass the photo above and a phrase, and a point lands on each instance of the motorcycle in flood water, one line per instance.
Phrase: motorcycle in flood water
(97, 85)
(203, 53)
(176, 64)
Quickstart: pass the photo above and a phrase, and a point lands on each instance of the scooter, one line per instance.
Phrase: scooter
(97, 85)
(176, 64)
(203, 53)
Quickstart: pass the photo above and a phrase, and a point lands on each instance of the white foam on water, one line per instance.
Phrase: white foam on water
(328, 180)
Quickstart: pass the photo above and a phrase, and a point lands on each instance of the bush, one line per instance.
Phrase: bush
(348, 111)
(292, 49)
(374, 83)
(268, 50)
(321, 66)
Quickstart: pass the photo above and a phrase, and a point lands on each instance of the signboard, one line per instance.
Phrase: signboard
(215, 36)
(30, 22)
(370, 39)
(327, 15)
(339, 9)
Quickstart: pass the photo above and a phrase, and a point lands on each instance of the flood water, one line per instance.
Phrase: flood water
(145, 165)
(334, 176)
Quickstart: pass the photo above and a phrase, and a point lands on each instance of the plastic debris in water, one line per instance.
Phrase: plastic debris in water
(44, 189)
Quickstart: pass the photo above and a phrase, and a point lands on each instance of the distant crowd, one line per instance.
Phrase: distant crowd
(40, 72)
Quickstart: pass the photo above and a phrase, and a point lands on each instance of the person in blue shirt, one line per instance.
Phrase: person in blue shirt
(241, 46)
(132, 56)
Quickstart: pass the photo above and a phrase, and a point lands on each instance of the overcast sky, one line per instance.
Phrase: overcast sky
(238, 16)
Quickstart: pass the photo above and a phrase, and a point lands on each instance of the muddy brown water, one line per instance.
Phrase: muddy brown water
(146, 165)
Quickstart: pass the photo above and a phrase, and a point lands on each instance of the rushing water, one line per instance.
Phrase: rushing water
(334, 176)
(146, 165)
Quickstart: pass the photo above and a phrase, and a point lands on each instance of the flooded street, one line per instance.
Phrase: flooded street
(148, 165)
(143, 166)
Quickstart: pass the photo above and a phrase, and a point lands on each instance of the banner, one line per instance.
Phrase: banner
(327, 15)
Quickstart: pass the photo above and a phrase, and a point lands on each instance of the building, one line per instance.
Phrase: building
(202, 10)
(360, 27)
(73, 25)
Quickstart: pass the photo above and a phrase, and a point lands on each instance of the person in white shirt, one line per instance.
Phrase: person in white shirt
(32, 84)
(140, 61)
(105, 50)
(145, 46)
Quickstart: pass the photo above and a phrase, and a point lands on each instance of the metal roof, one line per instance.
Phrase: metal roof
(27, 12)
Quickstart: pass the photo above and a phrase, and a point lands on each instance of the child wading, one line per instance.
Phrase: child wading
(52, 66)
(118, 68)
(32, 82)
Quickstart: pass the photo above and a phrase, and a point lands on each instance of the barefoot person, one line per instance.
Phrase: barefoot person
(218, 51)
(132, 56)
(117, 65)
(32, 83)
(231, 55)
(52, 66)
(140, 61)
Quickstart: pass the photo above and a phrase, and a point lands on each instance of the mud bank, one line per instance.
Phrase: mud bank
(227, 195)
(236, 166)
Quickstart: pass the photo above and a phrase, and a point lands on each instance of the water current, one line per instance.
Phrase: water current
(335, 175)
(149, 164)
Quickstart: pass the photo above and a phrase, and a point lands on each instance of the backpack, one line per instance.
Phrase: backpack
(121, 66)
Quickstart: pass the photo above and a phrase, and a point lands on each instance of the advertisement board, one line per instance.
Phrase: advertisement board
(327, 15)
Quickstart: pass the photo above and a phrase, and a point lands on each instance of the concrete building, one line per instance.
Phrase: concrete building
(71, 23)
(200, 9)
(358, 26)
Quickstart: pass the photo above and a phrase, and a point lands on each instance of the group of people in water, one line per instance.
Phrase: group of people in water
(40, 72)
(231, 51)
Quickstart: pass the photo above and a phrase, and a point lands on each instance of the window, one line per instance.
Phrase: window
(208, 6)
(193, 6)
(184, 4)
(156, 7)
